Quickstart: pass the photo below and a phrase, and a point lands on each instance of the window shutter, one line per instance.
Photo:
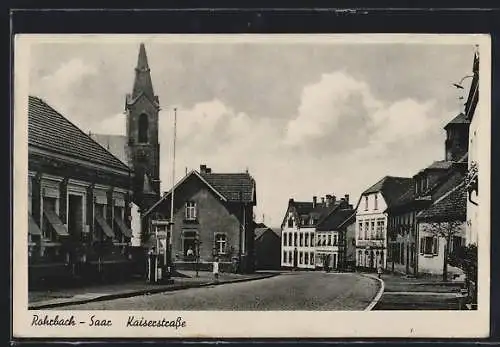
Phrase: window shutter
(435, 245)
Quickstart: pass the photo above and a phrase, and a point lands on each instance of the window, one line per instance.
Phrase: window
(306, 240)
(290, 222)
(335, 240)
(290, 239)
(367, 226)
(284, 256)
(329, 240)
(220, 243)
(376, 202)
(366, 203)
(360, 255)
(190, 210)
(189, 242)
(380, 229)
(429, 245)
(306, 260)
(372, 229)
(311, 258)
(295, 239)
(312, 239)
(284, 239)
(301, 257)
(290, 257)
(143, 128)
(49, 204)
(301, 239)
(311, 221)
(360, 230)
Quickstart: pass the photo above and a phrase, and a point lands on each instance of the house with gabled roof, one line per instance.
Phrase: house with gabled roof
(311, 233)
(78, 200)
(371, 220)
(212, 218)
(267, 247)
(441, 229)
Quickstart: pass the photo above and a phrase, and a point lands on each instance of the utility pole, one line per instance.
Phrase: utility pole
(169, 241)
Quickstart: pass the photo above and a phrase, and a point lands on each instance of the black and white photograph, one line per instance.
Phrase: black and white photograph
(252, 185)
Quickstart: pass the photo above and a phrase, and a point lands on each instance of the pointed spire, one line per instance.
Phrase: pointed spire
(142, 82)
(147, 186)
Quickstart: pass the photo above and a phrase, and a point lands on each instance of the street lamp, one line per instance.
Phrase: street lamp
(459, 84)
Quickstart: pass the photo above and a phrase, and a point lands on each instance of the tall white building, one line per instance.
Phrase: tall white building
(371, 220)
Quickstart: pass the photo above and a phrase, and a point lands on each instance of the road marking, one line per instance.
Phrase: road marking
(422, 293)
(379, 294)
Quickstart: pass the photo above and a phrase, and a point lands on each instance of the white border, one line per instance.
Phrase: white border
(431, 324)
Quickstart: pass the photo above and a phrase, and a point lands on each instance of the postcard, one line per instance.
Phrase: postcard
(251, 186)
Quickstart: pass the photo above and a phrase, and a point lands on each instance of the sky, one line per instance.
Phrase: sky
(304, 118)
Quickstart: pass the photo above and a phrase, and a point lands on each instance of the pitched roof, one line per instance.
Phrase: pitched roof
(451, 206)
(51, 131)
(233, 186)
(116, 144)
(439, 165)
(390, 187)
(259, 232)
(334, 220)
(460, 119)
(229, 187)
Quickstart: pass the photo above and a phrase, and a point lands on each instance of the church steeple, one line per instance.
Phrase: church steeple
(143, 148)
(142, 82)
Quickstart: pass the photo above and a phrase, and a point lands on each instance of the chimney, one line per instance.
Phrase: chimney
(208, 170)
(203, 169)
(346, 197)
(290, 201)
(328, 200)
(315, 200)
(322, 200)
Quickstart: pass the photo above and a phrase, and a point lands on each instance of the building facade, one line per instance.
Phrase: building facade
(371, 221)
(312, 236)
(441, 229)
(427, 186)
(477, 127)
(267, 247)
(78, 200)
(212, 218)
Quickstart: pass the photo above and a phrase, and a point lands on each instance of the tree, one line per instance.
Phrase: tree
(445, 230)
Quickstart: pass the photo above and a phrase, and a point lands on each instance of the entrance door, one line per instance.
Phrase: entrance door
(75, 216)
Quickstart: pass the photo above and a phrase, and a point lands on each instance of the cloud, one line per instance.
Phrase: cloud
(62, 87)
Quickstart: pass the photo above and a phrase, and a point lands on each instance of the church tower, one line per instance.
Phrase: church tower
(142, 108)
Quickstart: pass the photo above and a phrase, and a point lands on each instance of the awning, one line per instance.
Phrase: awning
(123, 227)
(56, 223)
(105, 227)
(33, 228)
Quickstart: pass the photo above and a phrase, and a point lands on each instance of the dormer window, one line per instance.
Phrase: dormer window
(290, 222)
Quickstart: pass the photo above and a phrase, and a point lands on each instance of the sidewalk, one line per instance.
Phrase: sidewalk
(402, 293)
(101, 292)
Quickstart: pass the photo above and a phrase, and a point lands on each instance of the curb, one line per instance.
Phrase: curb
(130, 294)
(377, 297)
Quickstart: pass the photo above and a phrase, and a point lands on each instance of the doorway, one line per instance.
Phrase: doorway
(75, 215)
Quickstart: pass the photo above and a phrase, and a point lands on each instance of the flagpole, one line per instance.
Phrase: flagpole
(173, 184)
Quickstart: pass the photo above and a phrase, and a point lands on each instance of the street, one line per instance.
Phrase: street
(289, 291)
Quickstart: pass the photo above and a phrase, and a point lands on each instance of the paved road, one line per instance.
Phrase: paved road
(289, 291)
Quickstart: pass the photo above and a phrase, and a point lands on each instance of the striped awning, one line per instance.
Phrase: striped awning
(56, 223)
(123, 227)
(104, 226)
(33, 228)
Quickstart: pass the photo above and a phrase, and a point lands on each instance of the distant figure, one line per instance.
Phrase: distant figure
(216, 270)
(190, 252)
(379, 270)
